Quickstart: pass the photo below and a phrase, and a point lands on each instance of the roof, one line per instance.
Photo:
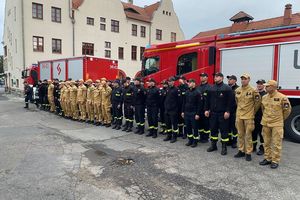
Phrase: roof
(254, 25)
(76, 3)
(138, 13)
(241, 15)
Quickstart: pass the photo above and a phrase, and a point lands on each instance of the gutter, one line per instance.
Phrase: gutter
(73, 25)
(23, 34)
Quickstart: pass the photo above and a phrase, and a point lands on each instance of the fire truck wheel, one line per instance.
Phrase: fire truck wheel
(292, 125)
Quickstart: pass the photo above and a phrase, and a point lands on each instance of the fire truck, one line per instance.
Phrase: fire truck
(73, 68)
(264, 54)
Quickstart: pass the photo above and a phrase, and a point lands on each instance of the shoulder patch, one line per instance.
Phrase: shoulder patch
(276, 99)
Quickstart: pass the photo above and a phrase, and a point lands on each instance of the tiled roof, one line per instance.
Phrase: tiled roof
(241, 15)
(138, 13)
(254, 25)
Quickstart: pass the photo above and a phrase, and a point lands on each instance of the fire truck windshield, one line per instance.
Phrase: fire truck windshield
(151, 65)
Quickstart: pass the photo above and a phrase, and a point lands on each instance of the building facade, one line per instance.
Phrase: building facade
(39, 30)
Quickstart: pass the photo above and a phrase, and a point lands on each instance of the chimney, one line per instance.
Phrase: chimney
(287, 18)
(130, 1)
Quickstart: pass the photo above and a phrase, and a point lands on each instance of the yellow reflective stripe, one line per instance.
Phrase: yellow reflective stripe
(142, 124)
(128, 94)
(254, 142)
(190, 135)
(214, 138)
(225, 140)
(230, 134)
(235, 135)
(196, 138)
(200, 130)
(180, 124)
(207, 132)
(118, 95)
(176, 131)
(138, 124)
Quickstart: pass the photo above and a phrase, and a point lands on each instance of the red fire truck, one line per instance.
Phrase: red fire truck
(73, 68)
(264, 54)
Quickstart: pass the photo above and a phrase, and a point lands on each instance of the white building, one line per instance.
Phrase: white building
(36, 30)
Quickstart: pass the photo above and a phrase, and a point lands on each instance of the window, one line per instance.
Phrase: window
(133, 52)
(102, 24)
(142, 50)
(108, 45)
(115, 26)
(17, 82)
(151, 65)
(173, 37)
(37, 11)
(121, 53)
(107, 53)
(143, 31)
(56, 46)
(90, 21)
(5, 51)
(56, 14)
(187, 63)
(134, 30)
(102, 19)
(158, 34)
(102, 27)
(38, 44)
(87, 49)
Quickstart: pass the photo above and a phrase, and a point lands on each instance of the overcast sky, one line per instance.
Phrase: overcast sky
(201, 15)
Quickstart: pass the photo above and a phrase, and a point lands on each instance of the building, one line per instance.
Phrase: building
(36, 30)
(244, 22)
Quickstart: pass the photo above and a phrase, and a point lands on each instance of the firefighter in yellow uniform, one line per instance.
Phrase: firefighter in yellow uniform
(81, 99)
(50, 96)
(90, 101)
(73, 99)
(97, 103)
(67, 100)
(106, 102)
(248, 102)
(276, 108)
(61, 98)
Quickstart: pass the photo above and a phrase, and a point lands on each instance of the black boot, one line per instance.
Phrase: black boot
(142, 130)
(169, 137)
(224, 149)
(213, 146)
(261, 150)
(154, 135)
(126, 125)
(129, 129)
(190, 142)
(240, 154)
(138, 130)
(195, 143)
(150, 134)
(26, 105)
(174, 138)
(115, 126)
(184, 136)
(254, 147)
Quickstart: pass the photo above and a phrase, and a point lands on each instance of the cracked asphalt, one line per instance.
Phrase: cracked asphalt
(43, 156)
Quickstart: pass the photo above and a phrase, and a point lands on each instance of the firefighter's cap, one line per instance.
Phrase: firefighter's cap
(98, 81)
(89, 81)
(218, 74)
(103, 79)
(246, 76)
(271, 83)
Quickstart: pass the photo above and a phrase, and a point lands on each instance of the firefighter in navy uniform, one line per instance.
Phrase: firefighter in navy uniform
(183, 87)
(117, 101)
(139, 106)
(203, 123)
(217, 108)
(258, 117)
(233, 133)
(191, 108)
(162, 97)
(172, 108)
(152, 102)
(128, 100)
(28, 92)
(56, 94)
(44, 93)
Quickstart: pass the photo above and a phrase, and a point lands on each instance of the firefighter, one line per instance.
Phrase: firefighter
(90, 101)
(172, 108)
(73, 100)
(81, 99)
(152, 102)
(117, 95)
(162, 97)
(44, 95)
(191, 108)
(128, 100)
(233, 133)
(139, 106)
(203, 123)
(61, 99)
(217, 108)
(67, 100)
(183, 87)
(106, 102)
(276, 108)
(38, 100)
(258, 116)
(56, 94)
(248, 102)
(50, 96)
(98, 121)
(28, 92)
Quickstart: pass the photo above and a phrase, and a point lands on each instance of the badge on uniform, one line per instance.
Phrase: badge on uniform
(221, 94)
(286, 105)
(276, 99)
(238, 93)
(257, 97)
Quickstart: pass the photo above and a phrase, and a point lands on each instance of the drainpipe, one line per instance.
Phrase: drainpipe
(73, 25)
(23, 33)
(150, 33)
